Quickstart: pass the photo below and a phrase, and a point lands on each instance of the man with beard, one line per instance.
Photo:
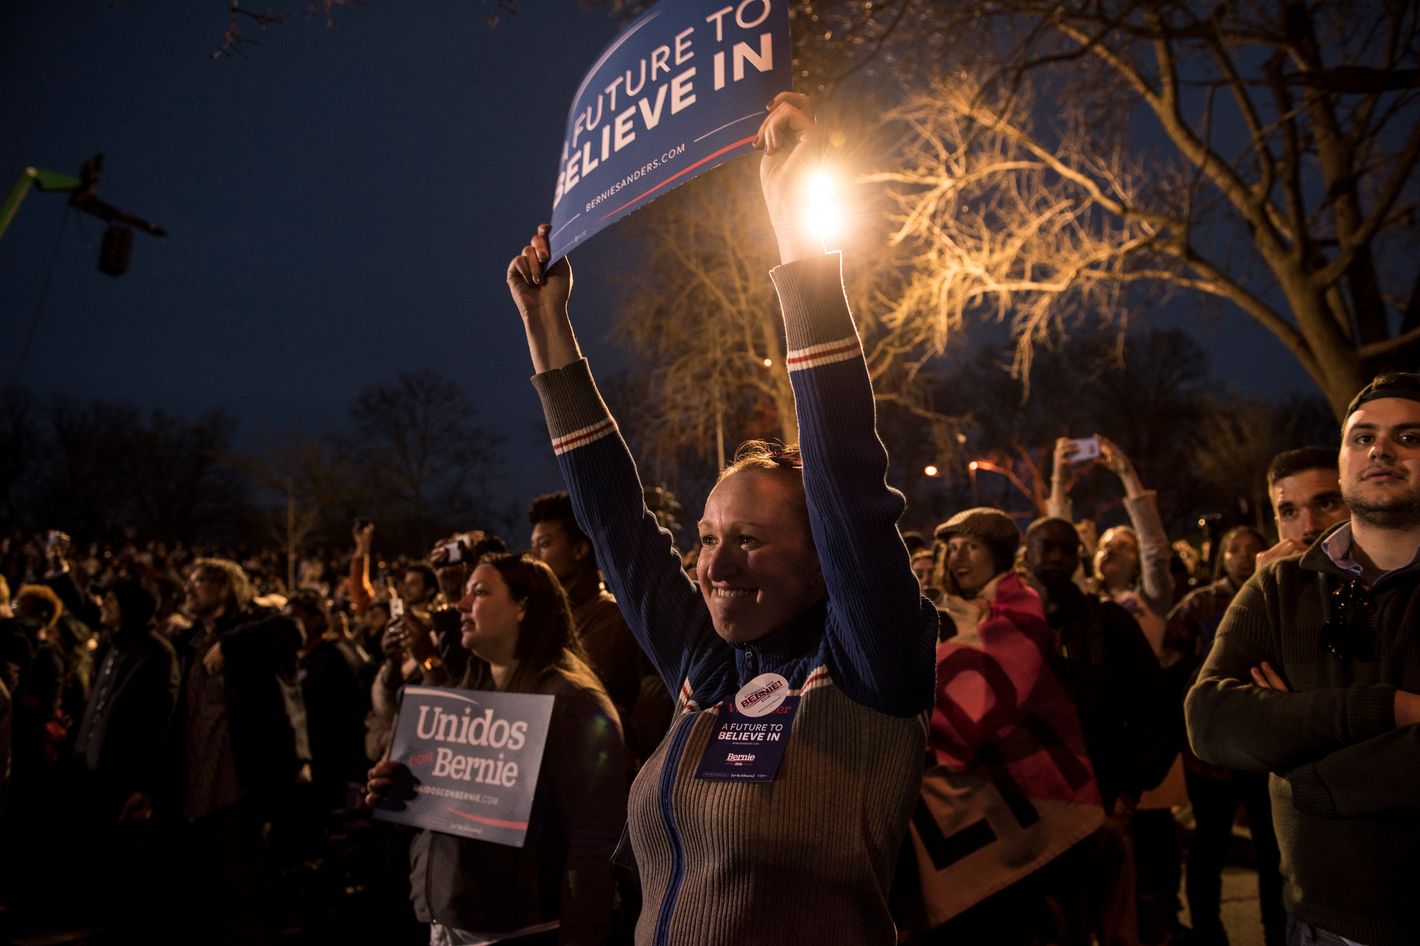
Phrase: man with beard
(1315, 678)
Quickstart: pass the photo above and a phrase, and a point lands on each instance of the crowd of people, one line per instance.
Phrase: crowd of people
(200, 729)
(993, 730)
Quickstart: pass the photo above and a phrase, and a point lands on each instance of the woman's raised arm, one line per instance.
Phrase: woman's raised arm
(881, 630)
(638, 560)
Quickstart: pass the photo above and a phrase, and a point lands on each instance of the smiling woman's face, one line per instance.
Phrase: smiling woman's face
(970, 565)
(758, 568)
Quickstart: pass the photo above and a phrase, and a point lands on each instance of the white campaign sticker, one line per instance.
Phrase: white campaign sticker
(762, 695)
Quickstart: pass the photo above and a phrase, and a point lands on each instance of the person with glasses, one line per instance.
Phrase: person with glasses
(1315, 678)
(239, 752)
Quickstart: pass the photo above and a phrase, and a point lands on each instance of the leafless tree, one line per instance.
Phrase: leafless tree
(1258, 153)
(422, 454)
(320, 489)
(1238, 436)
(21, 442)
(700, 313)
(109, 468)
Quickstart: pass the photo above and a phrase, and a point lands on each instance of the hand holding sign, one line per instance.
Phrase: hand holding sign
(541, 292)
(463, 762)
(790, 142)
(389, 784)
(671, 98)
(534, 285)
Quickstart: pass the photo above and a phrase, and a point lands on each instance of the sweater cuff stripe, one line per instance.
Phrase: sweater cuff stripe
(827, 353)
(583, 436)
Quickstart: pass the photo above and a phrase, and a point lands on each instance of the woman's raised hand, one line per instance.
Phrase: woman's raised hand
(1118, 461)
(535, 287)
(1113, 457)
(1063, 473)
(790, 142)
(541, 292)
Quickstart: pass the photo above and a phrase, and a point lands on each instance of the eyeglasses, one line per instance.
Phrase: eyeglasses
(1344, 633)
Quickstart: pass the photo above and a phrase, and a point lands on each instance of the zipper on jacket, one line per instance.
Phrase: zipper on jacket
(667, 787)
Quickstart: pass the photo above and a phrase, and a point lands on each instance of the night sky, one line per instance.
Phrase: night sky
(341, 204)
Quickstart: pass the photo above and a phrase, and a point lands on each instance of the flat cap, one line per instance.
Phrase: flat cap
(991, 526)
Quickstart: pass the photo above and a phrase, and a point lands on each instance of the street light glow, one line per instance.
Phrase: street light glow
(825, 217)
(930, 470)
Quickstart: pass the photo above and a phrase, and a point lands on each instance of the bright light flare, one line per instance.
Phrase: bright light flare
(824, 217)
(930, 470)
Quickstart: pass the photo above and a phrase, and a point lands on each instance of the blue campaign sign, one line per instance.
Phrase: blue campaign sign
(682, 90)
(472, 757)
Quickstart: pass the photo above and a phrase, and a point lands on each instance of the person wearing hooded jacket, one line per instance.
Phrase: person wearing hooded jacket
(130, 707)
(131, 703)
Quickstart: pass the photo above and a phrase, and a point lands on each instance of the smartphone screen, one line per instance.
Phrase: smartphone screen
(1086, 448)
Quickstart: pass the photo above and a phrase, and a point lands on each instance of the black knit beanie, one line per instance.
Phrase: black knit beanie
(1402, 384)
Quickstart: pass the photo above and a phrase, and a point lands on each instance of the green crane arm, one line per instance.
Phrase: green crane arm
(39, 177)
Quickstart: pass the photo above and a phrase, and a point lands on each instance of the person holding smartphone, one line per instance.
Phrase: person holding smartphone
(1131, 563)
(1131, 568)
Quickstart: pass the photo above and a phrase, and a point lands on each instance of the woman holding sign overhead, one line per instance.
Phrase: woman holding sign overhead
(556, 888)
(803, 661)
